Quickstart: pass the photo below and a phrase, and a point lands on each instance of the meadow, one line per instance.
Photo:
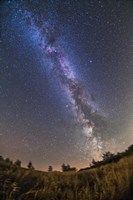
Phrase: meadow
(109, 181)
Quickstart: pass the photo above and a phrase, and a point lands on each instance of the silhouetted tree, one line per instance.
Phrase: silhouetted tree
(94, 162)
(30, 166)
(8, 162)
(17, 163)
(130, 148)
(63, 167)
(50, 168)
(1, 158)
(67, 167)
(107, 156)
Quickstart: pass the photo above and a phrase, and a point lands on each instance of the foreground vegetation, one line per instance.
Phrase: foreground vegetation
(110, 180)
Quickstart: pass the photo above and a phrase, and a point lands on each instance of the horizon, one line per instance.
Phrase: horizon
(66, 80)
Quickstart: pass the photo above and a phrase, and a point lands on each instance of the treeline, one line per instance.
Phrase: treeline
(113, 181)
(7, 164)
(67, 167)
(109, 157)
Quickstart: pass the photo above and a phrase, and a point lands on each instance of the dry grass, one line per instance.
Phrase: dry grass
(112, 181)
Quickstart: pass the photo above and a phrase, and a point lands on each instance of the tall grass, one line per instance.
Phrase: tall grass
(112, 181)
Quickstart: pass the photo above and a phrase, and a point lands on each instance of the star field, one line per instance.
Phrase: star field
(66, 80)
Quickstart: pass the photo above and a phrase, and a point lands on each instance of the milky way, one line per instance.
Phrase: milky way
(66, 82)
(82, 107)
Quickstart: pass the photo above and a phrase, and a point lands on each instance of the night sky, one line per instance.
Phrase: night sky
(66, 80)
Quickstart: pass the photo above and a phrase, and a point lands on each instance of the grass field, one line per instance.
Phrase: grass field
(112, 181)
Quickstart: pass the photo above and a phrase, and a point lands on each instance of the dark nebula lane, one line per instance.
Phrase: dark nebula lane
(85, 114)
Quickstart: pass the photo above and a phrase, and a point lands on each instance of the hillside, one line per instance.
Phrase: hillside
(110, 181)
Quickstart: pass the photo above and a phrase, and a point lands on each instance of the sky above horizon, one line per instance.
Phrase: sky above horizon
(66, 80)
